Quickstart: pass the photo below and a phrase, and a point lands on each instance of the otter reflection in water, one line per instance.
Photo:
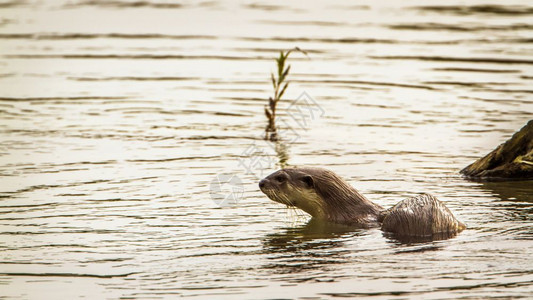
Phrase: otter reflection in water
(327, 197)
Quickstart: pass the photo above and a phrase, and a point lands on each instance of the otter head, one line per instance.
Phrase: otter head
(321, 193)
(294, 187)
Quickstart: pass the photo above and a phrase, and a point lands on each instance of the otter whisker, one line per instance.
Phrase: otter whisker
(283, 199)
(300, 215)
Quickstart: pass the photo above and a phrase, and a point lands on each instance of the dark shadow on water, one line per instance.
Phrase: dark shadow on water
(418, 240)
(516, 206)
(520, 191)
(310, 235)
(313, 246)
(463, 10)
(318, 247)
(512, 211)
(322, 235)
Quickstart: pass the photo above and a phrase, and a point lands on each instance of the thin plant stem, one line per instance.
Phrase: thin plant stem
(280, 84)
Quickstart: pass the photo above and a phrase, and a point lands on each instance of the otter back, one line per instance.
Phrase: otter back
(422, 215)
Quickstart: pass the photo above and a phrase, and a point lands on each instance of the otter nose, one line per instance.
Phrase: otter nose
(262, 183)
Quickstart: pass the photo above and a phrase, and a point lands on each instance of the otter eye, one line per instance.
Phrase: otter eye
(280, 178)
(308, 180)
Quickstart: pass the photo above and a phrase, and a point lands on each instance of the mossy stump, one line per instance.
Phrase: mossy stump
(510, 160)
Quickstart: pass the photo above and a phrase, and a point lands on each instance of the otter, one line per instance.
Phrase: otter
(325, 196)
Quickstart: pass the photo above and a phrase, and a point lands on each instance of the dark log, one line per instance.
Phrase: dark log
(510, 160)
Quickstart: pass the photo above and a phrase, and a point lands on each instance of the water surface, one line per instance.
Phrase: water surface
(116, 117)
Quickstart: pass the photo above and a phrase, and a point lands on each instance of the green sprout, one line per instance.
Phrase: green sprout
(280, 85)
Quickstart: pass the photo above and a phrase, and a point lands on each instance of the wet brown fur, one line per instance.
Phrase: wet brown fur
(326, 196)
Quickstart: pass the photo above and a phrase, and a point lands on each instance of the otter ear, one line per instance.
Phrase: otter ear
(308, 180)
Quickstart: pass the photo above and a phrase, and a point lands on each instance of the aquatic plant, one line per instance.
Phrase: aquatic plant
(280, 85)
